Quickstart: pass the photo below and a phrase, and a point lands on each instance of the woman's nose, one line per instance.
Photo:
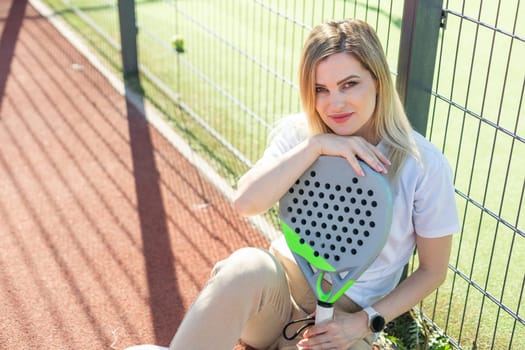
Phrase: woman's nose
(337, 101)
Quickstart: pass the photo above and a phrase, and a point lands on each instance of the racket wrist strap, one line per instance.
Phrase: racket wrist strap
(323, 312)
(306, 322)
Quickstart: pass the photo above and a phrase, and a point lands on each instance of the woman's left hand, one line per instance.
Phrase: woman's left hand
(339, 334)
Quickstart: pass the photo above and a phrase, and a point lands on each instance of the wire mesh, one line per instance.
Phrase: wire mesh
(477, 119)
(97, 22)
(238, 71)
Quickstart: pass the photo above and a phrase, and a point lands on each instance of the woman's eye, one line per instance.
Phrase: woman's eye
(349, 84)
(319, 89)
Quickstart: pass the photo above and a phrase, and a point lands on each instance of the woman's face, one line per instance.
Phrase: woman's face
(345, 95)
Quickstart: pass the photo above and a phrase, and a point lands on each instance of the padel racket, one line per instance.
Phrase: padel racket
(335, 223)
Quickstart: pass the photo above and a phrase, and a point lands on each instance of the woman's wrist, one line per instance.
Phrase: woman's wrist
(313, 143)
(356, 324)
(363, 323)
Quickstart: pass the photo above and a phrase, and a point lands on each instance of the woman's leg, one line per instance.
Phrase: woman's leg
(246, 297)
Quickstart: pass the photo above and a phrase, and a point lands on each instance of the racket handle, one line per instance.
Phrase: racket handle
(323, 312)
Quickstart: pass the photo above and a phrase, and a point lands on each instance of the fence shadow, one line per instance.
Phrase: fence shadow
(11, 29)
(159, 259)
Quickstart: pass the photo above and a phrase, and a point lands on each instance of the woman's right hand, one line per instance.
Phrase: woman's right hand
(352, 148)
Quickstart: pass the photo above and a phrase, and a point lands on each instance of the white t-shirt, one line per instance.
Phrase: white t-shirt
(423, 202)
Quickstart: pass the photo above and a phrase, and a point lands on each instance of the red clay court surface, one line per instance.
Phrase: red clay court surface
(107, 233)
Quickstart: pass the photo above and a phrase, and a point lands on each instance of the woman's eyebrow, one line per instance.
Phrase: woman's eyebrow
(351, 76)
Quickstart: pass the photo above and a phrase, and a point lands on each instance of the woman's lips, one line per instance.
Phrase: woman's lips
(340, 117)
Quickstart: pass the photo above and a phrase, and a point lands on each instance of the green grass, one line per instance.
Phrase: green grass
(476, 68)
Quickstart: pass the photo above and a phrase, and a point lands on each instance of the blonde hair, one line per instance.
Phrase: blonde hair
(389, 122)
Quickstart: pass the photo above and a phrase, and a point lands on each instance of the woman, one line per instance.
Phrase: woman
(351, 110)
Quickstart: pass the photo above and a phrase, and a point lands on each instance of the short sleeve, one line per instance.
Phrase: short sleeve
(288, 133)
(435, 212)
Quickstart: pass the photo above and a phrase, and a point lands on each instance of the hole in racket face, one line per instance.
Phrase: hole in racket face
(333, 219)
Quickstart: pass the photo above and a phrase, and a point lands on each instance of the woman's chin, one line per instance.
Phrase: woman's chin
(343, 130)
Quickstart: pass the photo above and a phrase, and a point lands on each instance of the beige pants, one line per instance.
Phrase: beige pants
(251, 295)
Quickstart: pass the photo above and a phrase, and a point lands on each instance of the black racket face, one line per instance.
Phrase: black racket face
(335, 219)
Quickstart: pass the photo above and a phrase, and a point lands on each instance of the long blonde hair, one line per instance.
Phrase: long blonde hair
(389, 122)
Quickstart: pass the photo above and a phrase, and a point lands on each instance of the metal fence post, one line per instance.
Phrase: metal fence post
(128, 37)
(417, 56)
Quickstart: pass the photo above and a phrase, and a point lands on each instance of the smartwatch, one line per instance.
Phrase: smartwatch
(376, 322)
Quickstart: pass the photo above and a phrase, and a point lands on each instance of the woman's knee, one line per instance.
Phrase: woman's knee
(252, 268)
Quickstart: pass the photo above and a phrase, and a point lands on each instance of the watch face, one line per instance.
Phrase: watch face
(377, 323)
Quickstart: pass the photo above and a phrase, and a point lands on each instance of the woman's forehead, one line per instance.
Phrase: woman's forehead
(338, 66)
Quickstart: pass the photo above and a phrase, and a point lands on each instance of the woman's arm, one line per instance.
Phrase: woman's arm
(262, 186)
(433, 254)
